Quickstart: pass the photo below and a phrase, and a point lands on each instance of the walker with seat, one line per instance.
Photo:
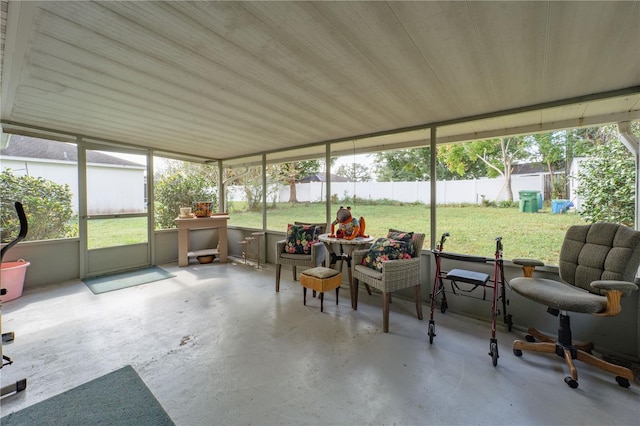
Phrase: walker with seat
(465, 282)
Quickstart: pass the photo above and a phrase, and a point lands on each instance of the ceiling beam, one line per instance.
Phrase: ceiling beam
(20, 17)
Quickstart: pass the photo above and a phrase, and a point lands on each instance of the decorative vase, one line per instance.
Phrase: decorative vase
(202, 209)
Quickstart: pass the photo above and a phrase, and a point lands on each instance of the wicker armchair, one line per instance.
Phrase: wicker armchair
(395, 275)
(315, 258)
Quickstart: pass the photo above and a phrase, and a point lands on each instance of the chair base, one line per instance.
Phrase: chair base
(569, 351)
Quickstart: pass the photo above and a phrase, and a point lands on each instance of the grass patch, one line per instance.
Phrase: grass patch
(473, 228)
(116, 232)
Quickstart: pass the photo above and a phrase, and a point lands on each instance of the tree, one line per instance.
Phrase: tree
(551, 148)
(606, 181)
(498, 155)
(355, 172)
(179, 185)
(250, 179)
(403, 165)
(456, 163)
(47, 205)
(291, 173)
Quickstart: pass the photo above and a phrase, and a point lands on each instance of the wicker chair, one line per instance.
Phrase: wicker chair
(315, 258)
(395, 275)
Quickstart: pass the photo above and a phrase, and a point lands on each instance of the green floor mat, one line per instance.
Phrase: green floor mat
(117, 398)
(105, 283)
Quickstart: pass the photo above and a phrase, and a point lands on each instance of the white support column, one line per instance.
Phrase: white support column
(633, 145)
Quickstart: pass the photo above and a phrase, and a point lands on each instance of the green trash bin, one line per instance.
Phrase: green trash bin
(529, 201)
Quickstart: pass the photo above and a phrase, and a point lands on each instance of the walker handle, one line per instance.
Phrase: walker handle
(443, 238)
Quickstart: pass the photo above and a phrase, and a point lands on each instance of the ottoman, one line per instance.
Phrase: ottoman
(320, 279)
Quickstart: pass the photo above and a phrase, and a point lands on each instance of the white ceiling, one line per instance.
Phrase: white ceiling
(224, 80)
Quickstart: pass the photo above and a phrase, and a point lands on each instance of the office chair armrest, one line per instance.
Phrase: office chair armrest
(625, 287)
(614, 291)
(528, 265)
(528, 262)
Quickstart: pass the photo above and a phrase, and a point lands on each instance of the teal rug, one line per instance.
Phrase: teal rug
(118, 398)
(105, 283)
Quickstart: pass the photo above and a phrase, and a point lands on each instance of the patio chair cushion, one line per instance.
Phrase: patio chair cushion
(384, 249)
(407, 237)
(300, 238)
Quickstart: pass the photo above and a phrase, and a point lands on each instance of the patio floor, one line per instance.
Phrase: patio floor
(217, 345)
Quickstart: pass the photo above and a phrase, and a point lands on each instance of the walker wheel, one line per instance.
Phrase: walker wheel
(493, 351)
(622, 381)
(529, 338)
(572, 383)
(444, 306)
(432, 332)
(517, 352)
(509, 322)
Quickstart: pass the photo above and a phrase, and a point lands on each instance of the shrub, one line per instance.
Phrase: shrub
(179, 189)
(607, 185)
(47, 205)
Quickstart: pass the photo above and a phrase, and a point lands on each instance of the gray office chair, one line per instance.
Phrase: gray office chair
(598, 265)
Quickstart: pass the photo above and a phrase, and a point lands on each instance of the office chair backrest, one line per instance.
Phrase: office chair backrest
(600, 251)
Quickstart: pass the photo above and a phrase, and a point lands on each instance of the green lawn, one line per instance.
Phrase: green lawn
(473, 228)
(114, 232)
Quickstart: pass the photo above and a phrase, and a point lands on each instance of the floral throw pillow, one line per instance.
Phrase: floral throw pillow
(407, 237)
(384, 249)
(300, 238)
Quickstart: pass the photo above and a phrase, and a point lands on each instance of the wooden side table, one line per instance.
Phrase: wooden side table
(185, 225)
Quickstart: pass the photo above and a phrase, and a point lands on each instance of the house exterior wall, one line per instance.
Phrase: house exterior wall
(111, 188)
(115, 189)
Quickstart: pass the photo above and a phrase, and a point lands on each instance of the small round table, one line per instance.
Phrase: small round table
(346, 249)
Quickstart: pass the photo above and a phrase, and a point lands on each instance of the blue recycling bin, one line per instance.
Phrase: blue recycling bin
(558, 206)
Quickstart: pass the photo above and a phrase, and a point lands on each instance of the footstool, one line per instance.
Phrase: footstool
(320, 279)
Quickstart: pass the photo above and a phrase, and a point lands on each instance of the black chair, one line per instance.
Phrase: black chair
(598, 266)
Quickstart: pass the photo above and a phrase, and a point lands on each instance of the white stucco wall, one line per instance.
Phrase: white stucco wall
(111, 188)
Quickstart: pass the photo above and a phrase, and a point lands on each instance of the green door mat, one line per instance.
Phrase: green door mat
(117, 398)
(105, 283)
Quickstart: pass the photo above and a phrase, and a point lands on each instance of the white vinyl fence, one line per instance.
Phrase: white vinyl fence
(447, 192)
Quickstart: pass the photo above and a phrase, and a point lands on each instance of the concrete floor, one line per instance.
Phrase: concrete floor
(217, 345)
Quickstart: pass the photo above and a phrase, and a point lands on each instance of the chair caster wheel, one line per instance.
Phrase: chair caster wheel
(623, 382)
(572, 383)
(517, 352)
(529, 338)
(493, 352)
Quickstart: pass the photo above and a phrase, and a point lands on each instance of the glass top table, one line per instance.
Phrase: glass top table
(347, 248)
